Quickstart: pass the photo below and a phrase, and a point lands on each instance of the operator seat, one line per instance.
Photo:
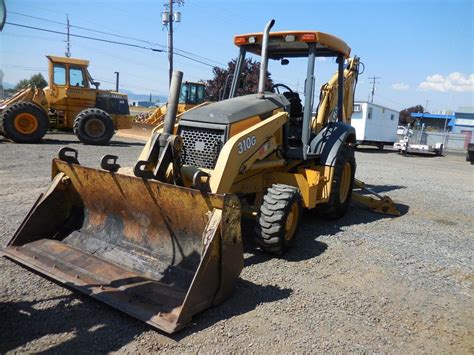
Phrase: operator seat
(296, 118)
(296, 108)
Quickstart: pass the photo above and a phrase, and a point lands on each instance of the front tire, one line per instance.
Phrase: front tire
(341, 185)
(278, 219)
(24, 122)
(94, 126)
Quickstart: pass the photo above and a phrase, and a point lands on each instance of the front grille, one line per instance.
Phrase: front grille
(201, 146)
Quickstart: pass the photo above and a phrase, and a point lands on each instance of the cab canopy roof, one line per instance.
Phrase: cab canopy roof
(288, 44)
(66, 60)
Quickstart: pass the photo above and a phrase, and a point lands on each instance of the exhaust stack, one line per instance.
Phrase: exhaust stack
(173, 101)
(264, 64)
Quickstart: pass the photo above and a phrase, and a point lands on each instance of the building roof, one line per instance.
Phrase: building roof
(372, 104)
(455, 119)
(431, 116)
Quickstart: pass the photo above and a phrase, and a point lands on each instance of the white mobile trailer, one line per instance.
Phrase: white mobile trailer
(374, 124)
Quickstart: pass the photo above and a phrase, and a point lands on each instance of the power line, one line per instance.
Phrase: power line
(86, 29)
(85, 37)
(126, 37)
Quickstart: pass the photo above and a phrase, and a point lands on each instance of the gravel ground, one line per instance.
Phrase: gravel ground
(364, 283)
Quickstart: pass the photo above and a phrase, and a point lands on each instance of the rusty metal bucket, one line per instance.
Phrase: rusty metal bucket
(159, 252)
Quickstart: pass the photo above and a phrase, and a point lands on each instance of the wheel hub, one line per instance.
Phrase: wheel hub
(26, 123)
(94, 128)
(291, 221)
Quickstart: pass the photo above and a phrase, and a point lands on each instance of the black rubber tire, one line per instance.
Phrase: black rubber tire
(7, 125)
(334, 208)
(81, 121)
(271, 221)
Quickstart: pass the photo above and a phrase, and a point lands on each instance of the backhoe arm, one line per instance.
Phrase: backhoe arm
(328, 96)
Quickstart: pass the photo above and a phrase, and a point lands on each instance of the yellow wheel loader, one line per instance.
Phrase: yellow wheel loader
(191, 95)
(68, 103)
(165, 243)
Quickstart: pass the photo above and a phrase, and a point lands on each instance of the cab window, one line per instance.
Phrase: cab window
(183, 96)
(192, 96)
(200, 94)
(59, 74)
(76, 77)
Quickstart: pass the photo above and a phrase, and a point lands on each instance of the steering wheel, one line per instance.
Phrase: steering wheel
(275, 88)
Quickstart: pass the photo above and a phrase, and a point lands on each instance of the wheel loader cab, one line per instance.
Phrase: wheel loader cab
(192, 93)
(69, 90)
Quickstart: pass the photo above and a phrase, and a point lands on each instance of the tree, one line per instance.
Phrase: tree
(22, 84)
(223, 78)
(405, 117)
(36, 80)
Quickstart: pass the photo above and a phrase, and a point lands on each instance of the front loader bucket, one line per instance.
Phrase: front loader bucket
(140, 130)
(159, 252)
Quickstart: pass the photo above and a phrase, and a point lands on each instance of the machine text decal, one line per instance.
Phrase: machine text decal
(246, 144)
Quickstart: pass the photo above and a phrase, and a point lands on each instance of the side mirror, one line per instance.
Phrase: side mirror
(96, 84)
(285, 61)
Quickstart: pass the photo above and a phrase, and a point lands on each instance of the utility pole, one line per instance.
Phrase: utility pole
(68, 40)
(117, 76)
(373, 86)
(426, 106)
(168, 17)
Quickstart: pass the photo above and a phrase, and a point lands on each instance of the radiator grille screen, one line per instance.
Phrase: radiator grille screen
(202, 146)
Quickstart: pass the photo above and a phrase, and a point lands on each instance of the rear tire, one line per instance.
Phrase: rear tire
(24, 122)
(341, 185)
(278, 219)
(94, 126)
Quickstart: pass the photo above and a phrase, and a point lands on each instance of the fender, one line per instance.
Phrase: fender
(329, 141)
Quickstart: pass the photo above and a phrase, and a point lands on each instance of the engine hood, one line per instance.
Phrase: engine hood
(236, 109)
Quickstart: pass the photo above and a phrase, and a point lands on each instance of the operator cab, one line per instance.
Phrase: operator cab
(192, 93)
(293, 44)
(70, 72)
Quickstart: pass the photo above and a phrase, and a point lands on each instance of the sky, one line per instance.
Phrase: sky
(423, 51)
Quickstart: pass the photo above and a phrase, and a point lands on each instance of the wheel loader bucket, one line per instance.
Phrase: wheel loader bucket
(139, 130)
(159, 252)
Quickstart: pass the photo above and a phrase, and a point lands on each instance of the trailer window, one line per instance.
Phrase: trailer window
(369, 113)
(392, 117)
(76, 77)
(59, 74)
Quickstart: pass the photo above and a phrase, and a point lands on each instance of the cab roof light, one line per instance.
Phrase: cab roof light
(290, 38)
(240, 40)
(252, 40)
(308, 37)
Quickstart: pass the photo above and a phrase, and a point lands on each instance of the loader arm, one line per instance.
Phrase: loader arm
(27, 94)
(244, 149)
(328, 96)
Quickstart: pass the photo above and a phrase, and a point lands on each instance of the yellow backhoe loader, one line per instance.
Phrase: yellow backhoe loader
(191, 95)
(68, 103)
(165, 243)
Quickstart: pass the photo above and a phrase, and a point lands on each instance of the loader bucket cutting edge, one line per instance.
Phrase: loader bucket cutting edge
(158, 252)
(139, 130)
